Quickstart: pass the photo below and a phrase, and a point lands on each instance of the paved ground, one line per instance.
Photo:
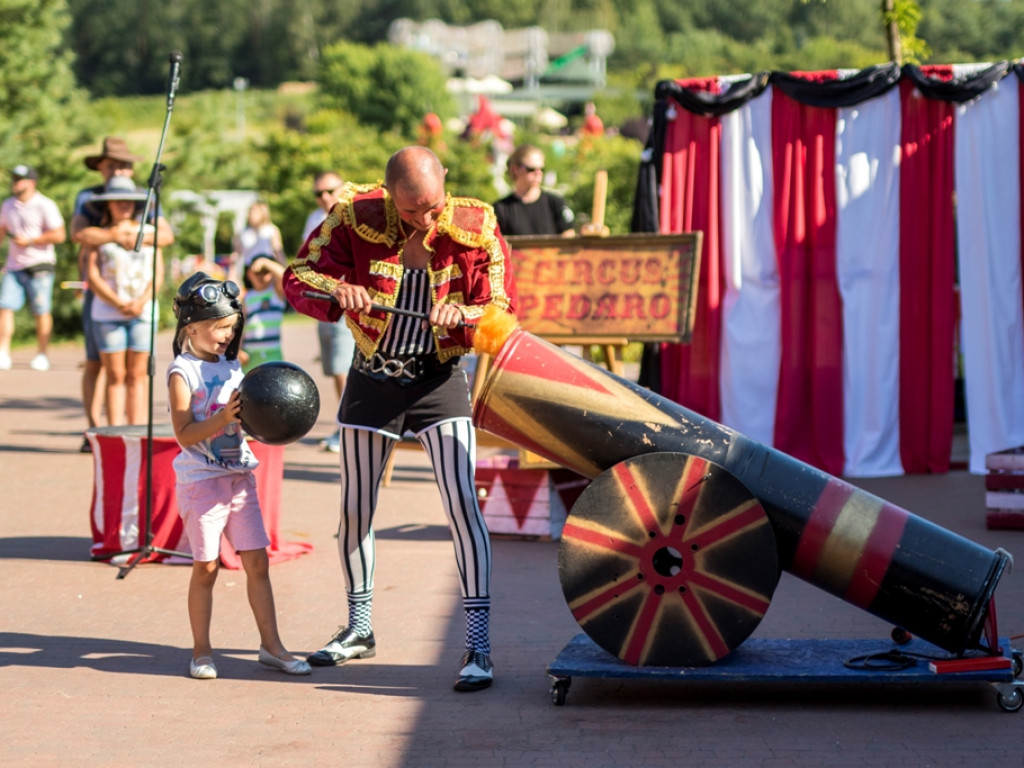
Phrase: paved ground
(93, 670)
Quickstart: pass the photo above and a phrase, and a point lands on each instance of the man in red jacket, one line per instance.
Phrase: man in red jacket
(411, 247)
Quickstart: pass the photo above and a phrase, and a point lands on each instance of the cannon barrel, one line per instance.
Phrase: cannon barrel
(852, 544)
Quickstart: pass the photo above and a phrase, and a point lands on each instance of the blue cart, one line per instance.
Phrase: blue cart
(761, 660)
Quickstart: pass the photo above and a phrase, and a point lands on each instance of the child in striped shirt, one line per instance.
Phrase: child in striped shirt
(264, 306)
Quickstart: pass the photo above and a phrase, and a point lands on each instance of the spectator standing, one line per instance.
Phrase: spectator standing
(113, 159)
(528, 209)
(259, 237)
(122, 280)
(34, 224)
(593, 125)
(336, 343)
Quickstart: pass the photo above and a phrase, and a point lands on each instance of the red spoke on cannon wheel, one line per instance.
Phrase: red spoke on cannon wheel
(602, 599)
(737, 520)
(695, 609)
(603, 539)
(705, 625)
(730, 591)
(641, 628)
(638, 502)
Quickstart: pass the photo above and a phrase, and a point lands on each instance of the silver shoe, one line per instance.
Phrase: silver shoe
(333, 443)
(293, 667)
(202, 668)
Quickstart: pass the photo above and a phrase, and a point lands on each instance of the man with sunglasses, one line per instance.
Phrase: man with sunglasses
(410, 247)
(528, 209)
(336, 343)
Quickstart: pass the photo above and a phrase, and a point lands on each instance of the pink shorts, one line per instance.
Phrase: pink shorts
(227, 505)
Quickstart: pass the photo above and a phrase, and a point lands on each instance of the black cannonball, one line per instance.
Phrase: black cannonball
(280, 403)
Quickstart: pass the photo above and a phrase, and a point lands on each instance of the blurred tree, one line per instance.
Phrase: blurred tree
(469, 174)
(674, 16)
(577, 167)
(639, 41)
(331, 140)
(509, 13)
(37, 88)
(855, 22)
(384, 87)
(741, 20)
(982, 30)
(122, 47)
(210, 36)
(38, 104)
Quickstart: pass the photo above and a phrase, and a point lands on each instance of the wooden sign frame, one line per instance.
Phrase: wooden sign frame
(640, 287)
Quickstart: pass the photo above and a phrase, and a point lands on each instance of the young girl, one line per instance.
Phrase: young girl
(215, 485)
(121, 280)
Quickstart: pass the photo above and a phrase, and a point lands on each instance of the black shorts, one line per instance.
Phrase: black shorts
(394, 409)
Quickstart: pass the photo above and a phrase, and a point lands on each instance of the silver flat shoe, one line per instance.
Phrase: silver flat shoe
(293, 667)
(202, 668)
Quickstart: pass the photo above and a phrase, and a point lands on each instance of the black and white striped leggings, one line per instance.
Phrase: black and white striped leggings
(451, 446)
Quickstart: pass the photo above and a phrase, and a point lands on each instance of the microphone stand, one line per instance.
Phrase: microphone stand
(140, 553)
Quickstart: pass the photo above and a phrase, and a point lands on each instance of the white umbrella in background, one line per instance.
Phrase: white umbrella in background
(550, 119)
(494, 84)
(489, 85)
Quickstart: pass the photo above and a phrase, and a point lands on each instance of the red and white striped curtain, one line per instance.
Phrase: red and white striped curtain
(859, 229)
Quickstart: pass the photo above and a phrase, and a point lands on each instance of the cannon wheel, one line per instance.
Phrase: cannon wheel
(668, 560)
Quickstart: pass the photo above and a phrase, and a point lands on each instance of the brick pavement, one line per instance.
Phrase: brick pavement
(93, 670)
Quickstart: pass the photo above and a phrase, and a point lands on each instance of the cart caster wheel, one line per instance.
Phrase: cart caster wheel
(900, 636)
(1011, 702)
(1018, 664)
(559, 690)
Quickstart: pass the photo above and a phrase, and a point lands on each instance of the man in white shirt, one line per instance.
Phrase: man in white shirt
(34, 224)
(336, 343)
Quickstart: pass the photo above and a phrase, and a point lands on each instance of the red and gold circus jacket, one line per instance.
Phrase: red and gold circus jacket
(361, 242)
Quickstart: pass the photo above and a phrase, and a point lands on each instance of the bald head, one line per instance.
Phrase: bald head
(412, 169)
(414, 178)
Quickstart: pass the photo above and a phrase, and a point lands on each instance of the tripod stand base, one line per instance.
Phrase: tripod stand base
(142, 555)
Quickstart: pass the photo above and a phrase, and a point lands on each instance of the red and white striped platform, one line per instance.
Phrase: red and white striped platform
(1004, 489)
(525, 501)
(118, 506)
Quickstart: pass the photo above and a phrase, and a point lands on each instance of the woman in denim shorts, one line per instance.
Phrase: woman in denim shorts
(121, 281)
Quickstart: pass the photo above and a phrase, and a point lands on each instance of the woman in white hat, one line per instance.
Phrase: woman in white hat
(121, 280)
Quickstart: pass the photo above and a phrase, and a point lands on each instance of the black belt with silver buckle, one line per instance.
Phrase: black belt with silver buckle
(403, 369)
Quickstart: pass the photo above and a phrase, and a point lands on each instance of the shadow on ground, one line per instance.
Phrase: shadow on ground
(74, 548)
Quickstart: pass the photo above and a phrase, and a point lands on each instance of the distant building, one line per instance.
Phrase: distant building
(526, 57)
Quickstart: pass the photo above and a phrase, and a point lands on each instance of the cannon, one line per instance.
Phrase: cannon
(633, 571)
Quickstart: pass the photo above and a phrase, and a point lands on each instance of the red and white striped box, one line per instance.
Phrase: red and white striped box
(1004, 489)
(525, 501)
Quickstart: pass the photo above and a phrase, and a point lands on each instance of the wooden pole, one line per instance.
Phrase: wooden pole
(596, 226)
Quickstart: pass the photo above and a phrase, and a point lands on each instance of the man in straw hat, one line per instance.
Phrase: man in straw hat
(114, 159)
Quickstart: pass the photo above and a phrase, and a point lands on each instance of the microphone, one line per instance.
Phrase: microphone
(174, 77)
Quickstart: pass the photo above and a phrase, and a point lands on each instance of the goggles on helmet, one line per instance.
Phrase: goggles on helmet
(209, 293)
